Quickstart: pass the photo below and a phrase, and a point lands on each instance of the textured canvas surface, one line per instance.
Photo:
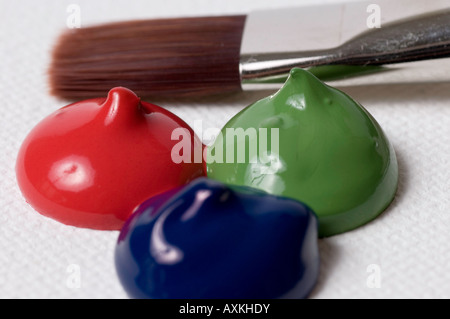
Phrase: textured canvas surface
(407, 248)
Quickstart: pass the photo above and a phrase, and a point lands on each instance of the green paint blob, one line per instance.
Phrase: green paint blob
(313, 143)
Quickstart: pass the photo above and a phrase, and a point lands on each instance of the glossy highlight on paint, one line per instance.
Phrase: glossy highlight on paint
(89, 164)
(209, 240)
(331, 153)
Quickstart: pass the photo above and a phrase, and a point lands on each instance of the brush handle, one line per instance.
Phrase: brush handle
(418, 38)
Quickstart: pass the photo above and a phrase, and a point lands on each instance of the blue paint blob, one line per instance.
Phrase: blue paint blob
(212, 241)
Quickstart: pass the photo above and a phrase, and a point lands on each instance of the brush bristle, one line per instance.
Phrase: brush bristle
(163, 57)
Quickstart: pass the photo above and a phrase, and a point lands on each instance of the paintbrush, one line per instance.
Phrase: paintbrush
(203, 55)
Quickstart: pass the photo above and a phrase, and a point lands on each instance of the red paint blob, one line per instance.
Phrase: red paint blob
(89, 164)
